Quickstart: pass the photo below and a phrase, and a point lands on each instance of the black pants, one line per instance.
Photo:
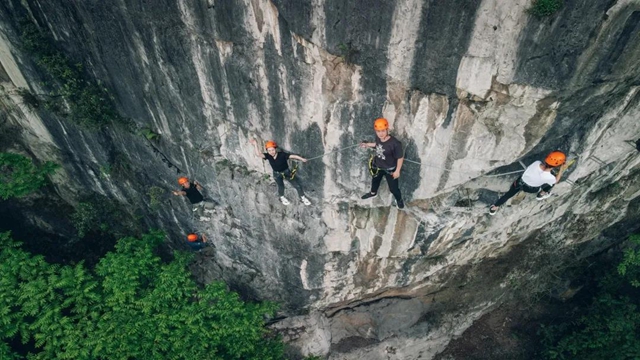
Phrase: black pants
(394, 185)
(518, 186)
(279, 178)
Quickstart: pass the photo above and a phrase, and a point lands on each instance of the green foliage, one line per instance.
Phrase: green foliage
(149, 134)
(19, 176)
(609, 328)
(544, 8)
(120, 165)
(347, 52)
(134, 306)
(105, 170)
(101, 215)
(156, 195)
(6, 353)
(83, 101)
(28, 98)
(629, 267)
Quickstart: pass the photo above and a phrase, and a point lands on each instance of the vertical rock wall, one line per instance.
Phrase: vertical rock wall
(471, 87)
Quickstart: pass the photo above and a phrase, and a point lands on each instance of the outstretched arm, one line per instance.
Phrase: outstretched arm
(255, 148)
(198, 185)
(367, 145)
(562, 169)
(296, 157)
(179, 193)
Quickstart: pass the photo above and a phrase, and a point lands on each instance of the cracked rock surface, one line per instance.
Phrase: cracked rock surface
(473, 89)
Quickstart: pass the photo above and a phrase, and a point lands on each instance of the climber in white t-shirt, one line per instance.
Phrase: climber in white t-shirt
(537, 178)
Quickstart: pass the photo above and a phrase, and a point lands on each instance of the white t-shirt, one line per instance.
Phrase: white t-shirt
(534, 176)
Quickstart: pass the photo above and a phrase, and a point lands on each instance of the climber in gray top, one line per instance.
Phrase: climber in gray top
(387, 161)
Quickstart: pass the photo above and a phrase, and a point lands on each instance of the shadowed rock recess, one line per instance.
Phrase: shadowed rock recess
(471, 87)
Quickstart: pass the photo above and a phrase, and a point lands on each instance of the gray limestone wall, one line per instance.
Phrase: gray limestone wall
(471, 87)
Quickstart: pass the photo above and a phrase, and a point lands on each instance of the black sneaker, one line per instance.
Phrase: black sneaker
(368, 195)
(400, 204)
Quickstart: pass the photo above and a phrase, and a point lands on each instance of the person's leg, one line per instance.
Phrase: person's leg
(394, 187)
(514, 189)
(545, 192)
(278, 178)
(375, 184)
(198, 210)
(295, 182)
(209, 205)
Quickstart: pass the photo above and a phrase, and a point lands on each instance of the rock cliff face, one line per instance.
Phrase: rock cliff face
(473, 88)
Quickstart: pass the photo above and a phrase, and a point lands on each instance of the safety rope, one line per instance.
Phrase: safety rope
(459, 171)
(332, 151)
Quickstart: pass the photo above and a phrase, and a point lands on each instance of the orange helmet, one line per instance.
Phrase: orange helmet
(380, 124)
(270, 144)
(183, 180)
(555, 158)
(192, 237)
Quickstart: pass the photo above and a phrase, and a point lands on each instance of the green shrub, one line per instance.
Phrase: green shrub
(544, 8)
(347, 52)
(609, 328)
(81, 100)
(120, 165)
(102, 215)
(86, 218)
(132, 306)
(149, 134)
(28, 98)
(19, 176)
(105, 170)
(156, 195)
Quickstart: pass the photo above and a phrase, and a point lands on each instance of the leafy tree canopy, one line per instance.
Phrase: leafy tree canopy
(19, 176)
(609, 328)
(133, 306)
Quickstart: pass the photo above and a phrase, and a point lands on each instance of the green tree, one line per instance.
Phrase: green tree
(544, 8)
(19, 176)
(133, 306)
(609, 328)
(76, 95)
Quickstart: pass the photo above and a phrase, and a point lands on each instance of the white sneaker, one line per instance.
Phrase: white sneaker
(203, 218)
(284, 200)
(305, 200)
(543, 195)
(209, 211)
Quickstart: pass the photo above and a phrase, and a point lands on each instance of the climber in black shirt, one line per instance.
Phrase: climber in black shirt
(193, 192)
(386, 162)
(281, 171)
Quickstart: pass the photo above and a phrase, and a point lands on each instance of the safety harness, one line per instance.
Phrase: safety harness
(374, 170)
(293, 170)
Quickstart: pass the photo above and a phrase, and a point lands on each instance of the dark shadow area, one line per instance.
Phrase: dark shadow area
(445, 30)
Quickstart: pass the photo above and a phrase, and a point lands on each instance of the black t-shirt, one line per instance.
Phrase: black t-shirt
(387, 153)
(279, 164)
(193, 194)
